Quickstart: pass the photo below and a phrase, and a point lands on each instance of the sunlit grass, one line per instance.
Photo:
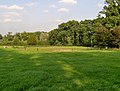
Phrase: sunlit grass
(59, 69)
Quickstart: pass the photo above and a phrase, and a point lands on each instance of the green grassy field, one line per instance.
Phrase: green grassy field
(59, 69)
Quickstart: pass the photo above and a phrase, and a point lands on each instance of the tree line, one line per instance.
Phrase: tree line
(25, 38)
(104, 31)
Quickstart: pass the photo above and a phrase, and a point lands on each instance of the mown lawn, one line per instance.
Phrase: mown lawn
(59, 69)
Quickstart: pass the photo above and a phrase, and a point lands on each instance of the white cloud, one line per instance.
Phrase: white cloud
(13, 7)
(68, 1)
(17, 20)
(52, 6)
(46, 11)
(100, 5)
(9, 20)
(63, 10)
(11, 14)
(58, 21)
(30, 4)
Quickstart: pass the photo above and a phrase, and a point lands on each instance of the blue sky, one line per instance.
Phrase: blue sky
(44, 15)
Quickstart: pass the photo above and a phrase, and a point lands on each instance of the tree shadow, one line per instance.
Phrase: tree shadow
(59, 71)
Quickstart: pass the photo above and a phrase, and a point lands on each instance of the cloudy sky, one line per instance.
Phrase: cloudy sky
(44, 15)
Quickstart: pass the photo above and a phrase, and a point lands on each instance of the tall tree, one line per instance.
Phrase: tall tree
(1, 36)
(53, 40)
(16, 41)
(116, 37)
(103, 37)
(9, 36)
(24, 36)
(112, 8)
(32, 40)
(111, 11)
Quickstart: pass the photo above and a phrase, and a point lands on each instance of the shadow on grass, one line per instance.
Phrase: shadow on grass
(70, 71)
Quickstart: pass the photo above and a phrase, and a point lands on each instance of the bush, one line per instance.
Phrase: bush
(32, 40)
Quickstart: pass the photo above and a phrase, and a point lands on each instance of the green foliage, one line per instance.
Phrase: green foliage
(43, 43)
(9, 36)
(53, 36)
(112, 8)
(32, 40)
(24, 36)
(21, 39)
(72, 33)
(66, 34)
(103, 38)
(1, 36)
(97, 32)
(112, 13)
(116, 37)
(42, 38)
(16, 41)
